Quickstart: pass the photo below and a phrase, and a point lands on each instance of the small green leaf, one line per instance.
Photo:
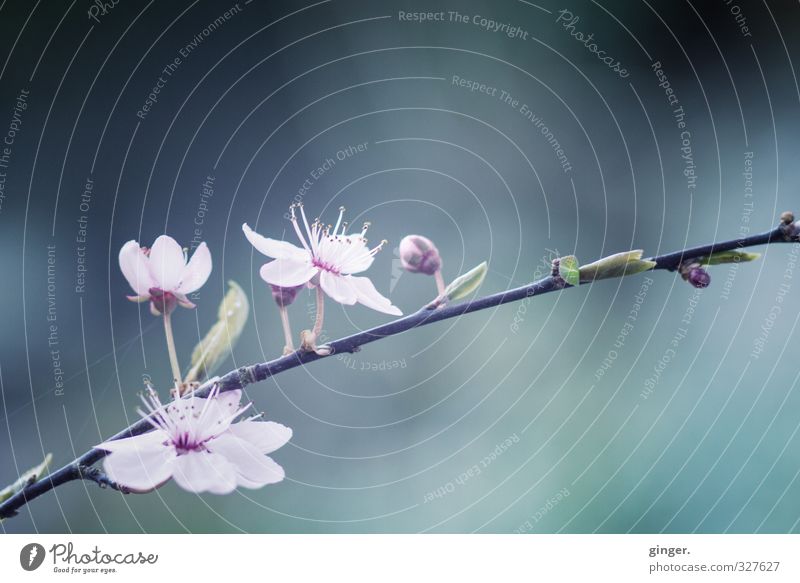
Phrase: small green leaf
(569, 269)
(617, 265)
(28, 477)
(467, 283)
(733, 256)
(221, 338)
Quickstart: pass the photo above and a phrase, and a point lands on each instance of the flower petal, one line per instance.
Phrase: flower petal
(338, 288)
(196, 271)
(369, 296)
(272, 247)
(219, 413)
(287, 272)
(266, 436)
(151, 439)
(358, 258)
(133, 263)
(166, 263)
(203, 471)
(140, 463)
(256, 468)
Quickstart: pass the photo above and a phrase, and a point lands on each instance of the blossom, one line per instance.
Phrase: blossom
(162, 274)
(196, 442)
(328, 257)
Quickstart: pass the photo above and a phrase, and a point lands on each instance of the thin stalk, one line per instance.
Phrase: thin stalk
(287, 330)
(320, 317)
(439, 281)
(173, 355)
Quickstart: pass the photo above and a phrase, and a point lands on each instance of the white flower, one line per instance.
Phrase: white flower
(195, 441)
(328, 256)
(162, 274)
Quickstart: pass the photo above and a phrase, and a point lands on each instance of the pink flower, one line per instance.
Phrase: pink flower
(328, 258)
(162, 275)
(195, 441)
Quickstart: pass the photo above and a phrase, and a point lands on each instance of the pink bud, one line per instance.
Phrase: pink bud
(699, 277)
(418, 254)
(284, 296)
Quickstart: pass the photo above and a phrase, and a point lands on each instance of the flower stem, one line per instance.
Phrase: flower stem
(320, 313)
(287, 330)
(173, 356)
(439, 281)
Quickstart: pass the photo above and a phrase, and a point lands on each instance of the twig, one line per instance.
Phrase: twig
(97, 476)
(80, 468)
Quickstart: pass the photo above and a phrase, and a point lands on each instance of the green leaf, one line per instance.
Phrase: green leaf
(221, 338)
(467, 283)
(733, 256)
(569, 269)
(617, 265)
(28, 477)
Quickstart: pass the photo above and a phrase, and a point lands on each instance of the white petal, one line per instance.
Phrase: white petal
(266, 436)
(287, 272)
(196, 271)
(202, 471)
(256, 468)
(151, 439)
(137, 463)
(369, 296)
(219, 413)
(166, 263)
(229, 399)
(272, 247)
(133, 263)
(338, 288)
(359, 258)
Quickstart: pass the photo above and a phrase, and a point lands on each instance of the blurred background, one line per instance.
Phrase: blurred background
(511, 132)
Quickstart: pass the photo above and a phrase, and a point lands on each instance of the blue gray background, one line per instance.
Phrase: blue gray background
(687, 429)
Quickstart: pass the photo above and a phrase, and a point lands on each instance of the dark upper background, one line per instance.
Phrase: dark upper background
(281, 86)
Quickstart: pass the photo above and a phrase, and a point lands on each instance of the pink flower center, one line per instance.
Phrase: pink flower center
(185, 444)
(325, 266)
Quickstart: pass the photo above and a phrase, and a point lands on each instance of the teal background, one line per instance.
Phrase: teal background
(280, 87)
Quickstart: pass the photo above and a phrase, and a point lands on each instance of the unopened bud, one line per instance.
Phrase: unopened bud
(418, 254)
(698, 277)
(284, 296)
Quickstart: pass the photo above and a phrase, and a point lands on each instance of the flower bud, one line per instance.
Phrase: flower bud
(418, 254)
(698, 277)
(284, 296)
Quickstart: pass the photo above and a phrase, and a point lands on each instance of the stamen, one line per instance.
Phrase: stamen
(312, 237)
(297, 230)
(339, 220)
(377, 248)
